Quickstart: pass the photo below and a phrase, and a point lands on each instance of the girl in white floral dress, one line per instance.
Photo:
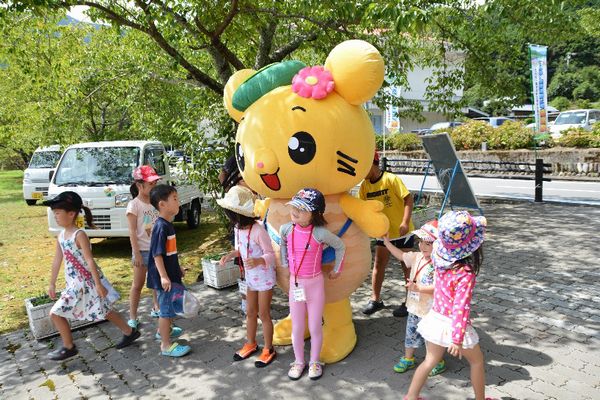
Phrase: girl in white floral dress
(86, 295)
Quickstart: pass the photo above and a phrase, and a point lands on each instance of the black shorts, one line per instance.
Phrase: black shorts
(405, 243)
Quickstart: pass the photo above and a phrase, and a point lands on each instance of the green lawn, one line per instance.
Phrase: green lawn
(27, 249)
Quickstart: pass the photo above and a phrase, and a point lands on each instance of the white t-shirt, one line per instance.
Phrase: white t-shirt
(146, 216)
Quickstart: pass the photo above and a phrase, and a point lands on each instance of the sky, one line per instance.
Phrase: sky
(77, 13)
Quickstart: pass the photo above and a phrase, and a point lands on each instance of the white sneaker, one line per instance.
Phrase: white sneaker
(296, 370)
(315, 370)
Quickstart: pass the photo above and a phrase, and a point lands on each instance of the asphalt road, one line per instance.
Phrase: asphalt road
(575, 192)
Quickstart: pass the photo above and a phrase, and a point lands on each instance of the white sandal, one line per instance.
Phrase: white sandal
(296, 370)
(315, 370)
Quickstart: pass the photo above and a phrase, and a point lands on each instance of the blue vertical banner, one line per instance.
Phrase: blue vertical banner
(392, 122)
(539, 81)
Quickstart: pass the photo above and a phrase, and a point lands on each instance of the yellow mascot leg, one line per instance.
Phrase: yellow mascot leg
(282, 332)
(339, 336)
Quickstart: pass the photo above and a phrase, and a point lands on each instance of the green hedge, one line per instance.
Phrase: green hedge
(509, 136)
(470, 136)
(404, 142)
(580, 138)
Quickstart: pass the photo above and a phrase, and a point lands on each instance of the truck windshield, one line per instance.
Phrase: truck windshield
(44, 159)
(97, 166)
(570, 118)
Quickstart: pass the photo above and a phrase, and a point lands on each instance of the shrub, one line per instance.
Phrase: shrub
(576, 138)
(510, 136)
(404, 142)
(470, 135)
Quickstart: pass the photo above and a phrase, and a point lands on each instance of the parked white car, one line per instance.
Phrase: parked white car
(36, 177)
(100, 172)
(574, 119)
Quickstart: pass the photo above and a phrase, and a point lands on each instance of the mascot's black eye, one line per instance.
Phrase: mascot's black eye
(239, 156)
(302, 148)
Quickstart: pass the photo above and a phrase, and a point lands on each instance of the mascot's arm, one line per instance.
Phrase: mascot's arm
(366, 214)
(261, 207)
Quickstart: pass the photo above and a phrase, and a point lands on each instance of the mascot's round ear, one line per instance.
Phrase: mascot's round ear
(357, 69)
(233, 83)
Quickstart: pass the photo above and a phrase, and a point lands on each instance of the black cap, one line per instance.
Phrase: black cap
(309, 199)
(69, 200)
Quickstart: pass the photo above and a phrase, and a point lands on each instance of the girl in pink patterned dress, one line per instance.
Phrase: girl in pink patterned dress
(257, 261)
(457, 256)
(87, 295)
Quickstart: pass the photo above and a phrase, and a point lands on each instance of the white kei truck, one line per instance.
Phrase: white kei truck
(101, 173)
(36, 177)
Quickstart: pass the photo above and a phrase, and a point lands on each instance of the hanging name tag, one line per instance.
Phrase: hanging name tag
(299, 294)
(242, 286)
(414, 295)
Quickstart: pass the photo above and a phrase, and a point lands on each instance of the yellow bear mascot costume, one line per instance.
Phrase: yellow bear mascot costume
(302, 127)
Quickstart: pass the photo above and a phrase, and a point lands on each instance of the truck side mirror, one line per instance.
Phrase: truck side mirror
(50, 175)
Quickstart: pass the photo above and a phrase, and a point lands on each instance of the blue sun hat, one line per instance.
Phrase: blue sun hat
(459, 235)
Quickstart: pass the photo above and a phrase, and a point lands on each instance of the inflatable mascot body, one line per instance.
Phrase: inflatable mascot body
(305, 127)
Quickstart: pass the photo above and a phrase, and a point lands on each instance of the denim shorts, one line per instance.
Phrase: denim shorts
(145, 257)
(413, 339)
(165, 304)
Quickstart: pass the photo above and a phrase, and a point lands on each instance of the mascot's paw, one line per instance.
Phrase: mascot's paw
(377, 223)
(282, 332)
(261, 207)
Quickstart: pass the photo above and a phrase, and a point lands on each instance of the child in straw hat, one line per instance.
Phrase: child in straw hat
(257, 263)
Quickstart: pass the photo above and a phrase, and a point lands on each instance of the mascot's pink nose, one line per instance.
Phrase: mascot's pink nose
(260, 164)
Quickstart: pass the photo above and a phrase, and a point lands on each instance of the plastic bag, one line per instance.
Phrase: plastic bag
(185, 304)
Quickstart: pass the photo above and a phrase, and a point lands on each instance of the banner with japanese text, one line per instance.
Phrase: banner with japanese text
(539, 81)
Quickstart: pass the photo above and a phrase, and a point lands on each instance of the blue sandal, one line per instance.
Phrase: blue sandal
(175, 333)
(176, 350)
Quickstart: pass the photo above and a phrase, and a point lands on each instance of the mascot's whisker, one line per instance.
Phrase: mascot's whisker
(348, 169)
(347, 157)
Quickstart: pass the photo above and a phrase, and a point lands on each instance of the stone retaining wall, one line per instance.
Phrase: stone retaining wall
(583, 163)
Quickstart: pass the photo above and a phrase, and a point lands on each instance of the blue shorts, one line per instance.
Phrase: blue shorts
(145, 257)
(165, 304)
(413, 339)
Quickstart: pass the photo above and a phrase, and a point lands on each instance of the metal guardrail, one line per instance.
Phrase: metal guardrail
(485, 169)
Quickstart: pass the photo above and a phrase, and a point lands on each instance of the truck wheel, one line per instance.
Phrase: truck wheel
(193, 215)
(31, 202)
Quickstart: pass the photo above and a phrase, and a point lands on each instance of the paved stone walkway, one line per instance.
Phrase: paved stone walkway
(535, 308)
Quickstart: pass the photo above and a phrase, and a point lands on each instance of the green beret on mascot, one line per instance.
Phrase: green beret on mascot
(300, 127)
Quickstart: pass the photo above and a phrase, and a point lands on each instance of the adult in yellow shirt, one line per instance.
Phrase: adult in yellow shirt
(398, 204)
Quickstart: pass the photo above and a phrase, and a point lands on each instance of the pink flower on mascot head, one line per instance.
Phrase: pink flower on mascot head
(313, 82)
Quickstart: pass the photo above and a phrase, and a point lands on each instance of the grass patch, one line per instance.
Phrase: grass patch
(27, 250)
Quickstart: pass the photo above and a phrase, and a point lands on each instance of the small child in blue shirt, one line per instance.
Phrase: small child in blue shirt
(163, 268)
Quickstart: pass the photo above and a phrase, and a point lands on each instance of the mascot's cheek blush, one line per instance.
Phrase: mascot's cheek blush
(271, 180)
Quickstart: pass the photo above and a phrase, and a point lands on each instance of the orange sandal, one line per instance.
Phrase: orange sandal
(245, 352)
(266, 357)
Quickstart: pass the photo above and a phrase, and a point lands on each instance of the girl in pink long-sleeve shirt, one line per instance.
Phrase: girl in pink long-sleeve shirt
(257, 261)
(456, 256)
(302, 242)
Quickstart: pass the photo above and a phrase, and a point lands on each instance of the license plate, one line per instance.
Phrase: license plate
(36, 195)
